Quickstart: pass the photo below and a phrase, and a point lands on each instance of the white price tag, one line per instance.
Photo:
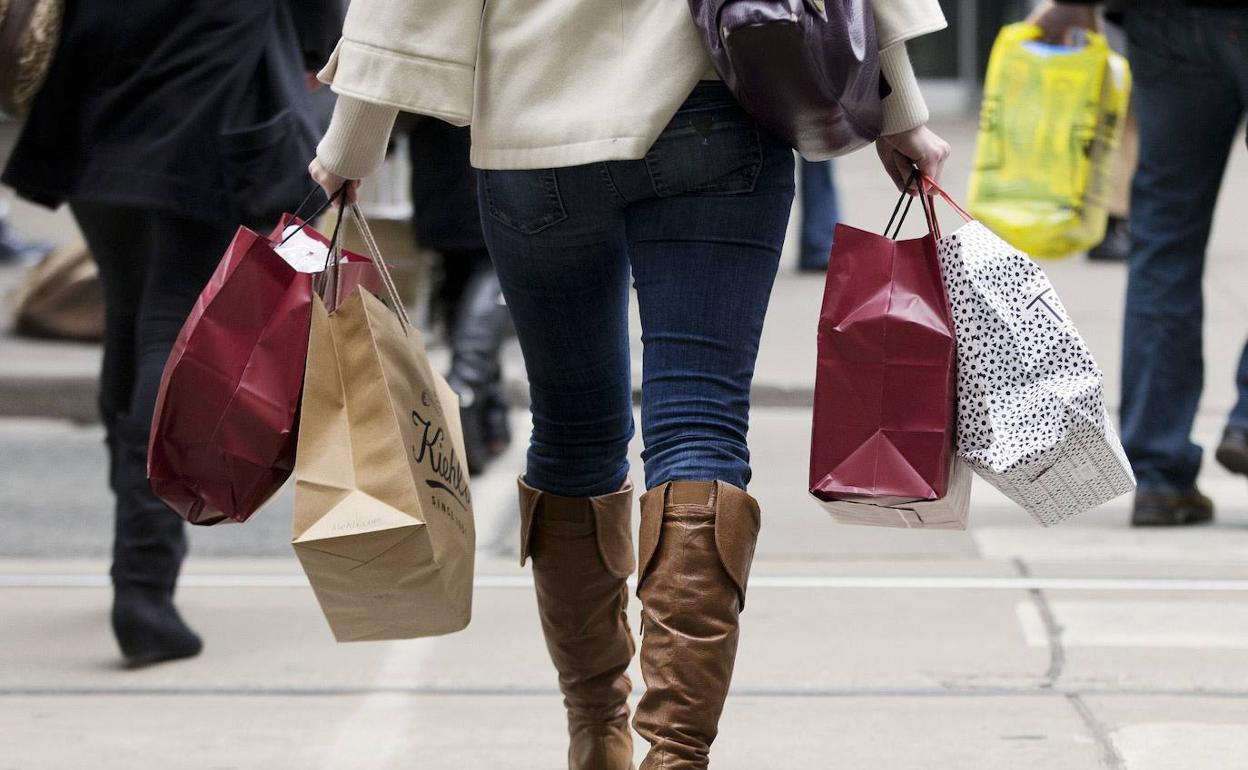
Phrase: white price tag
(301, 251)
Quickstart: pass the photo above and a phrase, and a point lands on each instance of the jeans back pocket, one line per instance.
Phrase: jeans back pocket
(708, 150)
(527, 201)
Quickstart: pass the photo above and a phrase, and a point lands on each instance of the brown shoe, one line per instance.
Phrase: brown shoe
(697, 543)
(1171, 509)
(582, 554)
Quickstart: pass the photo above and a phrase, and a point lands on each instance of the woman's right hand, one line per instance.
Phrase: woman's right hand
(920, 146)
(332, 184)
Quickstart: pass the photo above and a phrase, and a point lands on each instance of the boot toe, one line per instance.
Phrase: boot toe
(602, 747)
(149, 629)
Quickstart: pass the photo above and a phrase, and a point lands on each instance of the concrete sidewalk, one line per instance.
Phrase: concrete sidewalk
(1008, 646)
(58, 379)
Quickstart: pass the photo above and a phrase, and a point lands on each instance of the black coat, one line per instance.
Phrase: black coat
(196, 107)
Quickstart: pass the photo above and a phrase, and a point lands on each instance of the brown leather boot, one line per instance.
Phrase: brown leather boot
(697, 543)
(582, 552)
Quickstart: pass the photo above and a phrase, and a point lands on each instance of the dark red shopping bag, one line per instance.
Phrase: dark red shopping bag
(224, 431)
(884, 390)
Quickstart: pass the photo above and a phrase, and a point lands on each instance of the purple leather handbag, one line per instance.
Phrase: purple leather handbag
(809, 70)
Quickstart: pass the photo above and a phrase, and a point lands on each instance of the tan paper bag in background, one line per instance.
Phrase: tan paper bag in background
(383, 515)
(61, 298)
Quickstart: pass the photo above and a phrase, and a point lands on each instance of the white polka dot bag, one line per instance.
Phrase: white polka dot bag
(1031, 409)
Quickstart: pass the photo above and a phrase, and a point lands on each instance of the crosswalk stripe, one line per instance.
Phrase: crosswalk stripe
(766, 582)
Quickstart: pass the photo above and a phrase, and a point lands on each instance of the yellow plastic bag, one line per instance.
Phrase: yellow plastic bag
(1052, 118)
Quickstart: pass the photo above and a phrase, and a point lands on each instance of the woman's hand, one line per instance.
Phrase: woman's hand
(920, 147)
(332, 184)
(1060, 20)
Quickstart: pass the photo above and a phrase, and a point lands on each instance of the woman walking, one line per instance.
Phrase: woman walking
(163, 126)
(608, 148)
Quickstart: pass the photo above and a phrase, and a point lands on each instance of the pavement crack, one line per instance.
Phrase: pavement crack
(1110, 757)
(1052, 629)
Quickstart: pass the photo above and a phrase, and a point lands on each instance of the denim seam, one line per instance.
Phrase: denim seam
(610, 182)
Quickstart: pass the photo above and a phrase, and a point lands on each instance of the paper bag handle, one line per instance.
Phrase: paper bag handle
(931, 185)
(927, 200)
(907, 199)
(374, 252)
(328, 281)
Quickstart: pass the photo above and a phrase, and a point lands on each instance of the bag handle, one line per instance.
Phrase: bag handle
(927, 199)
(940, 192)
(315, 214)
(331, 275)
(933, 226)
(374, 252)
(328, 281)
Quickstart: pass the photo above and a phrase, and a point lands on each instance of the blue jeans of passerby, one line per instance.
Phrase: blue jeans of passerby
(1191, 89)
(820, 213)
(699, 223)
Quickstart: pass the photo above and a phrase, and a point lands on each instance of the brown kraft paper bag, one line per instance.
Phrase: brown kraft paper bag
(383, 523)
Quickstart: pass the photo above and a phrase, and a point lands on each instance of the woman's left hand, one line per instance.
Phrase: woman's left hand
(332, 184)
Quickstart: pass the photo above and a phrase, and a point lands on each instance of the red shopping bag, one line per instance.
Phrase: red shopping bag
(224, 431)
(884, 390)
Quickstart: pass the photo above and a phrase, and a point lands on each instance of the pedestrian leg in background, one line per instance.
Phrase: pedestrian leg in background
(1117, 242)
(478, 331)
(153, 267)
(820, 213)
(446, 219)
(1229, 30)
(1188, 113)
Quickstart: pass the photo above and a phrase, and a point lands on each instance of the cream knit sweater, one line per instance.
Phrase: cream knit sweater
(548, 83)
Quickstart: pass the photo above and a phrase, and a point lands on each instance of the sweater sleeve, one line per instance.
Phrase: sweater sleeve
(355, 144)
(904, 108)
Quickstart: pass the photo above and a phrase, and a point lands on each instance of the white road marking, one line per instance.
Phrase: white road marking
(373, 733)
(1182, 746)
(1201, 545)
(768, 582)
(1168, 624)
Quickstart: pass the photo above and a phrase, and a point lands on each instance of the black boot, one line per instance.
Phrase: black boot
(148, 547)
(148, 627)
(1116, 245)
(497, 421)
(1232, 453)
(481, 326)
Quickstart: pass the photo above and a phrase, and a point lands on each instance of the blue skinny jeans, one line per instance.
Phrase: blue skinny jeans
(698, 224)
